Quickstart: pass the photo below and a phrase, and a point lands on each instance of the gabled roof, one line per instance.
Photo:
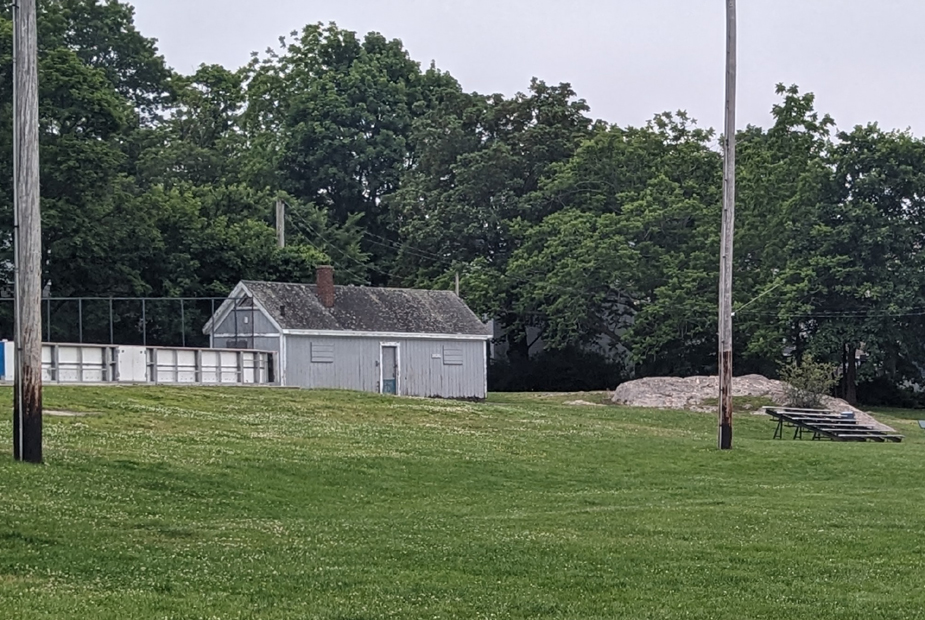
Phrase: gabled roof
(297, 307)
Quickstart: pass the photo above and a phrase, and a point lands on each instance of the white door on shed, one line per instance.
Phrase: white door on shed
(388, 368)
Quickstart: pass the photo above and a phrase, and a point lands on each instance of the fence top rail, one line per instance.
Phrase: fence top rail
(94, 345)
(199, 349)
(12, 298)
(86, 345)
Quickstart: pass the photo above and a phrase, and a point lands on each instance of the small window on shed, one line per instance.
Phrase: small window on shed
(322, 353)
(452, 356)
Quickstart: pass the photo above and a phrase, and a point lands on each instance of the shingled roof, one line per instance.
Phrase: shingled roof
(367, 309)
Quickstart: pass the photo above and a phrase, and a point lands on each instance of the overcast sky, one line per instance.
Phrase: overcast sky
(628, 58)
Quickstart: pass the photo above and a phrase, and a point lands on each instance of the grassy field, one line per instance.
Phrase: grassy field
(263, 503)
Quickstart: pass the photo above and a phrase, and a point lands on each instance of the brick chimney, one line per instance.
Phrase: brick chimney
(325, 280)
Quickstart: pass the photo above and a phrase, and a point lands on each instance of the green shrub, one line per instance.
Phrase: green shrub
(806, 383)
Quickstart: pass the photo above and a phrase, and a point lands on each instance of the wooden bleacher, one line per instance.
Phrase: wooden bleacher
(825, 424)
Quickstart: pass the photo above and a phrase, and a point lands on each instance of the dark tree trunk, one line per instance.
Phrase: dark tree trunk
(851, 375)
(842, 387)
(518, 349)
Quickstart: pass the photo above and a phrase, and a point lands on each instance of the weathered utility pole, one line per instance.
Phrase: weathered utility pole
(725, 266)
(457, 284)
(280, 223)
(27, 237)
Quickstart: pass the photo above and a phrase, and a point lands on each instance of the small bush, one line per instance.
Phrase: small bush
(807, 383)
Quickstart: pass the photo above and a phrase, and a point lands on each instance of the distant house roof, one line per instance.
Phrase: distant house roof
(362, 309)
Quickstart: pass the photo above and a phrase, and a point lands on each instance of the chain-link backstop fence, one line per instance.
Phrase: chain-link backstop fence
(149, 321)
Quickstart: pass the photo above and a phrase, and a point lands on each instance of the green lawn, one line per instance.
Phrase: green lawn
(273, 503)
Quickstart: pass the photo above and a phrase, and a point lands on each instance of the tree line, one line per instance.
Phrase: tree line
(601, 240)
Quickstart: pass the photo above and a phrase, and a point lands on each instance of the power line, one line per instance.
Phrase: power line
(519, 279)
(839, 315)
(333, 246)
(525, 278)
(406, 249)
(403, 246)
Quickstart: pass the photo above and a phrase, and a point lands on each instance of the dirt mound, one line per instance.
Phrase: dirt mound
(700, 394)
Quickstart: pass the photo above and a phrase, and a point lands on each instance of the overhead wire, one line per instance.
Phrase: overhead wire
(839, 314)
(525, 279)
(330, 245)
(389, 243)
(420, 253)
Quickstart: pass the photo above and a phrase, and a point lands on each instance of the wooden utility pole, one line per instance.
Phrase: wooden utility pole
(27, 237)
(457, 284)
(725, 266)
(280, 223)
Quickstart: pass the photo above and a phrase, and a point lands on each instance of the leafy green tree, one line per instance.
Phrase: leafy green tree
(632, 256)
(863, 247)
(830, 246)
(201, 142)
(599, 238)
(575, 269)
(136, 202)
(203, 248)
(477, 159)
(328, 118)
(84, 121)
(782, 176)
(102, 35)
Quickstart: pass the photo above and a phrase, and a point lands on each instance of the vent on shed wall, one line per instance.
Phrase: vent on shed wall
(452, 356)
(322, 353)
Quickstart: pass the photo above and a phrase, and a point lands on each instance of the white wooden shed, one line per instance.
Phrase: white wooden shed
(388, 340)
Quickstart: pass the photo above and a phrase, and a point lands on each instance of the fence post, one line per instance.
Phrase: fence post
(214, 326)
(144, 324)
(182, 323)
(111, 339)
(151, 355)
(80, 319)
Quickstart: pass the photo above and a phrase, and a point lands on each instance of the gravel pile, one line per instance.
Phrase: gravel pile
(690, 393)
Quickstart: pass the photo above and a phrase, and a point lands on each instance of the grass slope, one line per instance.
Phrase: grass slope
(263, 503)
